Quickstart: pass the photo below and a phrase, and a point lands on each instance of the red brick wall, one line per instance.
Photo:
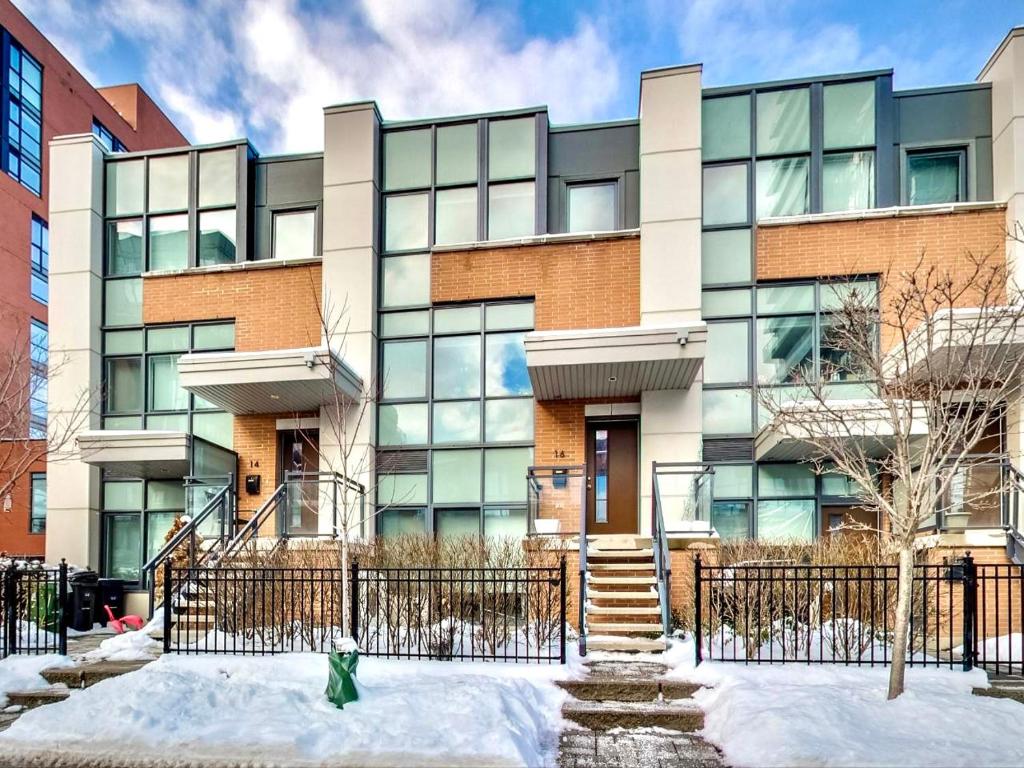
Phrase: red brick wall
(15, 538)
(880, 245)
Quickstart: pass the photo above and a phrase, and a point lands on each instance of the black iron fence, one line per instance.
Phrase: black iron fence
(486, 614)
(962, 614)
(32, 610)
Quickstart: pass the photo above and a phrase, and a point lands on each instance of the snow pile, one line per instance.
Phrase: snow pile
(21, 673)
(422, 713)
(775, 715)
(130, 646)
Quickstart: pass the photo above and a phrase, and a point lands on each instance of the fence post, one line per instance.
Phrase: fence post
(561, 611)
(970, 582)
(353, 597)
(10, 617)
(698, 634)
(62, 614)
(167, 605)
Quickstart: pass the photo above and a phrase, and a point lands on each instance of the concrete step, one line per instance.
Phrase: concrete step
(643, 567)
(612, 689)
(36, 698)
(618, 541)
(624, 628)
(1001, 692)
(621, 581)
(605, 716)
(626, 644)
(631, 610)
(613, 596)
(89, 674)
(620, 554)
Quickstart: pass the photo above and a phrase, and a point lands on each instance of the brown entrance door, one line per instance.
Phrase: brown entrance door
(298, 462)
(612, 477)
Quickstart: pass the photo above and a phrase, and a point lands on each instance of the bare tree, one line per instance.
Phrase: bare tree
(26, 369)
(941, 348)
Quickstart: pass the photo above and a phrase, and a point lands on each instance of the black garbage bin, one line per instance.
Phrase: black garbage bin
(111, 592)
(84, 589)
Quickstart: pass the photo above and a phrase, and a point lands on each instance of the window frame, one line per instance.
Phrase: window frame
(143, 514)
(8, 147)
(965, 154)
(39, 258)
(33, 517)
(38, 381)
(287, 210)
(618, 212)
(107, 138)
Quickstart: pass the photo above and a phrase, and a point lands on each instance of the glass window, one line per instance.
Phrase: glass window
(122, 302)
(405, 222)
(125, 182)
(216, 427)
(403, 424)
(456, 367)
(406, 280)
(731, 519)
(403, 522)
(37, 515)
(510, 210)
(457, 422)
(124, 247)
(456, 154)
(457, 319)
(505, 473)
(168, 242)
(592, 207)
(783, 187)
(835, 295)
(849, 114)
(404, 369)
(217, 172)
(457, 522)
(848, 181)
(728, 353)
(122, 342)
(727, 411)
(725, 256)
(456, 477)
(39, 253)
(935, 177)
(218, 336)
(725, 127)
(402, 489)
(504, 522)
(157, 526)
(295, 235)
(217, 237)
(786, 520)
(165, 494)
(405, 323)
(407, 159)
(733, 480)
(506, 365)
(456, 216)
(168, 183)
(170, 339)
(508, 420)
(501, 316)
(783, 121)
(785, 350)
(118, 496)
(725, 194)
(726, 303)
(23, 114)
(109, 141)
(511, 151)
(123, 547)
(836, 362)
(785, 299)
(164, 392)
(785, 480)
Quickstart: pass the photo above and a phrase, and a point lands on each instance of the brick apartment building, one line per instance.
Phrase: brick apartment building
(535, 314)
(43, 96)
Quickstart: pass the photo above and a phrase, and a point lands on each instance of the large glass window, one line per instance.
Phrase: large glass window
(22, 116)
(725, 194)
(109, 141)
(39, 255)
(406, 280)
(849, 114)
(592, 207)
(936, 176)
(405, 223)
(407, 159)
(457, 367)
(294, 235)
(456, 216)
(510, 210)
(218, 177)
(727, 411)
(457, 154)
(783, 121)
(725, 256)
(728, 353)
(217, 237)
(785, 519)
(125, 183)
(725, 127)
(848, 181)
(168, 242)
(168, 183)
(511, 148)
(39, 356)
(783, 187)
(37, 514)
(785, 349)
(405, 369)
(137, 516)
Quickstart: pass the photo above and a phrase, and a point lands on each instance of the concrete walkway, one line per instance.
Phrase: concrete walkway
(627, 713)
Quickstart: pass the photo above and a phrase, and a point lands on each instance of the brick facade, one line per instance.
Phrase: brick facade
(880, 245)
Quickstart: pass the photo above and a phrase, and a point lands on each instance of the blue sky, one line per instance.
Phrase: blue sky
(265, 68)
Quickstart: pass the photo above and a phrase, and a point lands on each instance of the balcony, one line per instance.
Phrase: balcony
(614, 362)
(274, 381)
(155, 454)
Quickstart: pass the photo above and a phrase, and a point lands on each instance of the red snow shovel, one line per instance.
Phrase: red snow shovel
(125, 623)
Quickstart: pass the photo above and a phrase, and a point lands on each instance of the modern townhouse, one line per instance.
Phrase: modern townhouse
(543, 329)
(42, 96)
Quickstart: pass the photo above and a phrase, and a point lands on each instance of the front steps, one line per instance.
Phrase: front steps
(623, 611)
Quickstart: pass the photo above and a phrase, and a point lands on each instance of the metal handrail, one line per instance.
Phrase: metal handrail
(253, 524)
(662, 559)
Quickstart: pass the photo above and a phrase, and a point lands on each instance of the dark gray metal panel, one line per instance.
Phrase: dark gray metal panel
(955, 114)
(983, 161)
(887, 157)
(282, 183)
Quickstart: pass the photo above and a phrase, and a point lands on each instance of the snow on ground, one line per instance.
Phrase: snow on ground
(21, 673)
(129, 646)
(831, 715)
(273, 709)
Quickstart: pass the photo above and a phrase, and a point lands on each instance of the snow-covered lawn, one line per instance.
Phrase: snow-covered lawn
(813, 715)
(273, 710)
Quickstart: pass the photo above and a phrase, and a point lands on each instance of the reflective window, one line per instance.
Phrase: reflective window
(725, 256)
(509, 420)
(294, 235)
(403, 522)
(506, 365)
(457, 522)
(168, 183)
(406, 280)
(935, 177)
(213, 336)
(504, 522)
(734, 480)
(405, 323)
(217, 177)
(168, 242)
(785, 480)
(109, 141)
(592, 207)
(405, 223)
(780, 299)
(601, 475)
(457, 367)
(124, 385)
(456, 154)
(23, 115)
(725, 194)
(849, 114)
(783, 187)
(39, 254)
(783, 121)
(457, 319)
(123, 547)
(725, 127)
(785, 349)
(726, 303)
(848, 181)
(402, 424)
(785, 520)
(728, 353)
(217, 237)
(125, 182)
(511, 148)
(404, 369)
(407, 159)
(402, 489)
(122, 302)
(505, 474)
(506, 316)
(37, 513)
(731, 519)
(164, 392)
(457, 422)
(510, 210)
(124, 247)
(727, 411)
(456, 476)
(456, 216)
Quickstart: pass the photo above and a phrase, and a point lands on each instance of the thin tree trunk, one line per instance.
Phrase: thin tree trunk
(901, 630)
(345, 602)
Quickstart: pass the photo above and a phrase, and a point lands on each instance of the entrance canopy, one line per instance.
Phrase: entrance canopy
(148, 453)
(614, 362)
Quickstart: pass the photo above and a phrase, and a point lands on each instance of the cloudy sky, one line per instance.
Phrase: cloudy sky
(265, 68)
